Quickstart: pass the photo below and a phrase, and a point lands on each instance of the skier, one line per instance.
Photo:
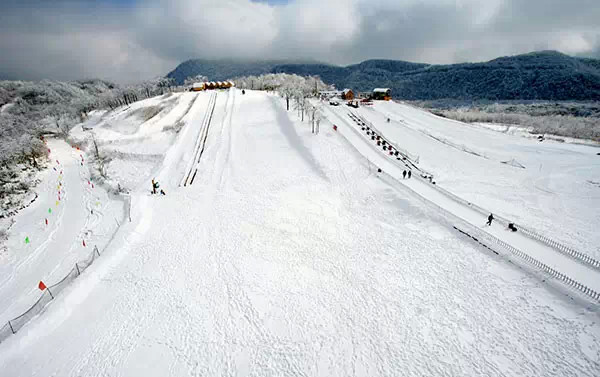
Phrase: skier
(162, 192)
(388, 120)
(490, 218)
(404, 174)
(409, 173)
(154, 186)
(243, 91)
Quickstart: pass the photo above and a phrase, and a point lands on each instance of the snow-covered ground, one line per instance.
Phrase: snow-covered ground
(290, 255)
(550, 186)
(75, 211)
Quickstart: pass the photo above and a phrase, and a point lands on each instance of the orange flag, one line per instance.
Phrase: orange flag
(42, 286)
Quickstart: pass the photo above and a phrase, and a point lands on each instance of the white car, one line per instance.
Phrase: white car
(334, 103)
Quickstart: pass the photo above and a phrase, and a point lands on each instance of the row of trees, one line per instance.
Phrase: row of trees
(561, 125)
(298, 91)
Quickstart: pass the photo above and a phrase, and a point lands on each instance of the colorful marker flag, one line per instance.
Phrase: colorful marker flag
(42, 286)
(46, 221)
(56, 204)
(26, 239)
(83, 243)
(50, 209)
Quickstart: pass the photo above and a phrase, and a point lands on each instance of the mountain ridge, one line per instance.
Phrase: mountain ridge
(541, 75)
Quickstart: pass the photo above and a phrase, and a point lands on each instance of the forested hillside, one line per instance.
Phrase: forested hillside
(546, 75)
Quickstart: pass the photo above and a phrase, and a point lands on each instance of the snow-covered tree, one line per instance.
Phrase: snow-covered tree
(191, 80)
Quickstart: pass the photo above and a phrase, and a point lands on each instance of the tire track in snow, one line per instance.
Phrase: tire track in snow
(201, 141)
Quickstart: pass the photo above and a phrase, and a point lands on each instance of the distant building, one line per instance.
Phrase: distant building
(347, 94)
(330, 93)
(382, 94)
(218, 85)
(197, 87)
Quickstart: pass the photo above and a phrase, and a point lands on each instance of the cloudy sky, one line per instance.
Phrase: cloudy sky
(131, 40)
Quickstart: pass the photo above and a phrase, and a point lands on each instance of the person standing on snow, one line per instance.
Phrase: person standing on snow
(409, 173)
(404, 174)
(490, 218)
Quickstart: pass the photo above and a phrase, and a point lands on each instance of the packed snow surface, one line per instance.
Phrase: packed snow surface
(290, 255)
(550, 186)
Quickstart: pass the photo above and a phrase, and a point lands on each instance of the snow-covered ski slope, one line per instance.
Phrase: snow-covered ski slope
(76, 213)
(552, 187)
(290, 255)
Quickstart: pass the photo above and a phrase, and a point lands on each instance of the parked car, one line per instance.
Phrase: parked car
(334, 103)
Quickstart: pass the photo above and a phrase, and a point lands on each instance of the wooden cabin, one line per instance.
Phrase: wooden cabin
(198, 87)
(382, 94)
(347, 94)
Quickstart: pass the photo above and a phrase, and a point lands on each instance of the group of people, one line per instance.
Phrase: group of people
(405, 173)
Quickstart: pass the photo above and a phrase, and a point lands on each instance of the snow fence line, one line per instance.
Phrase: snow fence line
(488, 240)
(15, 324)
(532, 261)
(563, 249)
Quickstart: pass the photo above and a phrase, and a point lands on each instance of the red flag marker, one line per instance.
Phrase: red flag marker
(46, 221)
(83, 243)
(92, 185)
(42, 286)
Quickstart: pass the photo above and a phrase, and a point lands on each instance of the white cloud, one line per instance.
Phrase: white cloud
(63, 39)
